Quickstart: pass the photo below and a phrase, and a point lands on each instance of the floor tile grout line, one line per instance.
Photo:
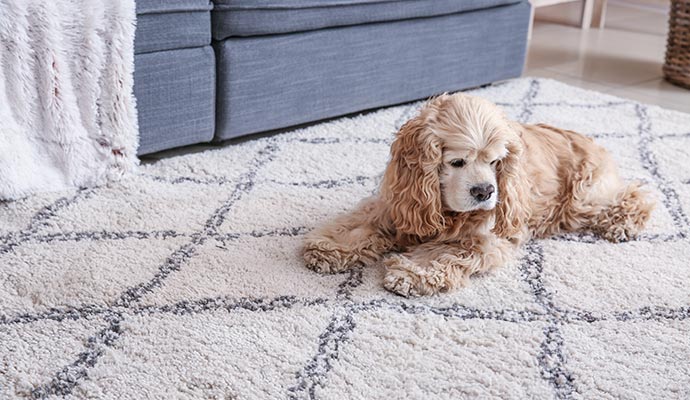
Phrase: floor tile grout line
(58, 385)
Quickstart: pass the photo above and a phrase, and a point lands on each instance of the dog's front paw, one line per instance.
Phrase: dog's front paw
(408, 279)
(325, 259)
(403, 277)
(402, 282)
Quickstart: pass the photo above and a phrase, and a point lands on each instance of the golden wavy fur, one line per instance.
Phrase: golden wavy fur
(464, 187)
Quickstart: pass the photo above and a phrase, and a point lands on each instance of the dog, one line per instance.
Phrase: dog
(465, 187)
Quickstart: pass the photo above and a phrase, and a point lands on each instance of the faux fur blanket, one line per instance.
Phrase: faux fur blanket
(67, 109)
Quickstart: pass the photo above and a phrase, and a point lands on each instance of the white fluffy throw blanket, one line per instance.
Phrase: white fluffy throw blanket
(67, 110)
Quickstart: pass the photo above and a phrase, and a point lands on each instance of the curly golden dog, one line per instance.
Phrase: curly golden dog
(465, 187)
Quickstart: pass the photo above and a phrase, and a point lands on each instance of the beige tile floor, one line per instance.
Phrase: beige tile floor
(623, 59)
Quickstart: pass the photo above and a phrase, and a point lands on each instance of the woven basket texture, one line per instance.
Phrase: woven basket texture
(677, 65)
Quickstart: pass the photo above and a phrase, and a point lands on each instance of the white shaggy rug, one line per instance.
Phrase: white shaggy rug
(185, 282)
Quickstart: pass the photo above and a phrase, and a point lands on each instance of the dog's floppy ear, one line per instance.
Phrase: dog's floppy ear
(512, 211)
(411, 185)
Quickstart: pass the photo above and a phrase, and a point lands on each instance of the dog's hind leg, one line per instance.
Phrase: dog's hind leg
(350, 240)
(596, 199)
(608, 207)
(625, 217)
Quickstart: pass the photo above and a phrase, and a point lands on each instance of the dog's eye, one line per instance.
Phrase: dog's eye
(494, 162)
(458, 163)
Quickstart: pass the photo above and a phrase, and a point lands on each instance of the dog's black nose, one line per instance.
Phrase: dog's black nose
(482, 192)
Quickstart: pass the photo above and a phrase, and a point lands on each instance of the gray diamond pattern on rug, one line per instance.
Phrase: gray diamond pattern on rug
(185, 281)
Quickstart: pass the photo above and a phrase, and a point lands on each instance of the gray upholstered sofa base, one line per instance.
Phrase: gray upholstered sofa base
(174, 73)
(176, 95)
(274, 81)
(221, 69)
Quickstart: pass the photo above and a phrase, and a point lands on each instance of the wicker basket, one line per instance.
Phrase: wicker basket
(677, 66)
